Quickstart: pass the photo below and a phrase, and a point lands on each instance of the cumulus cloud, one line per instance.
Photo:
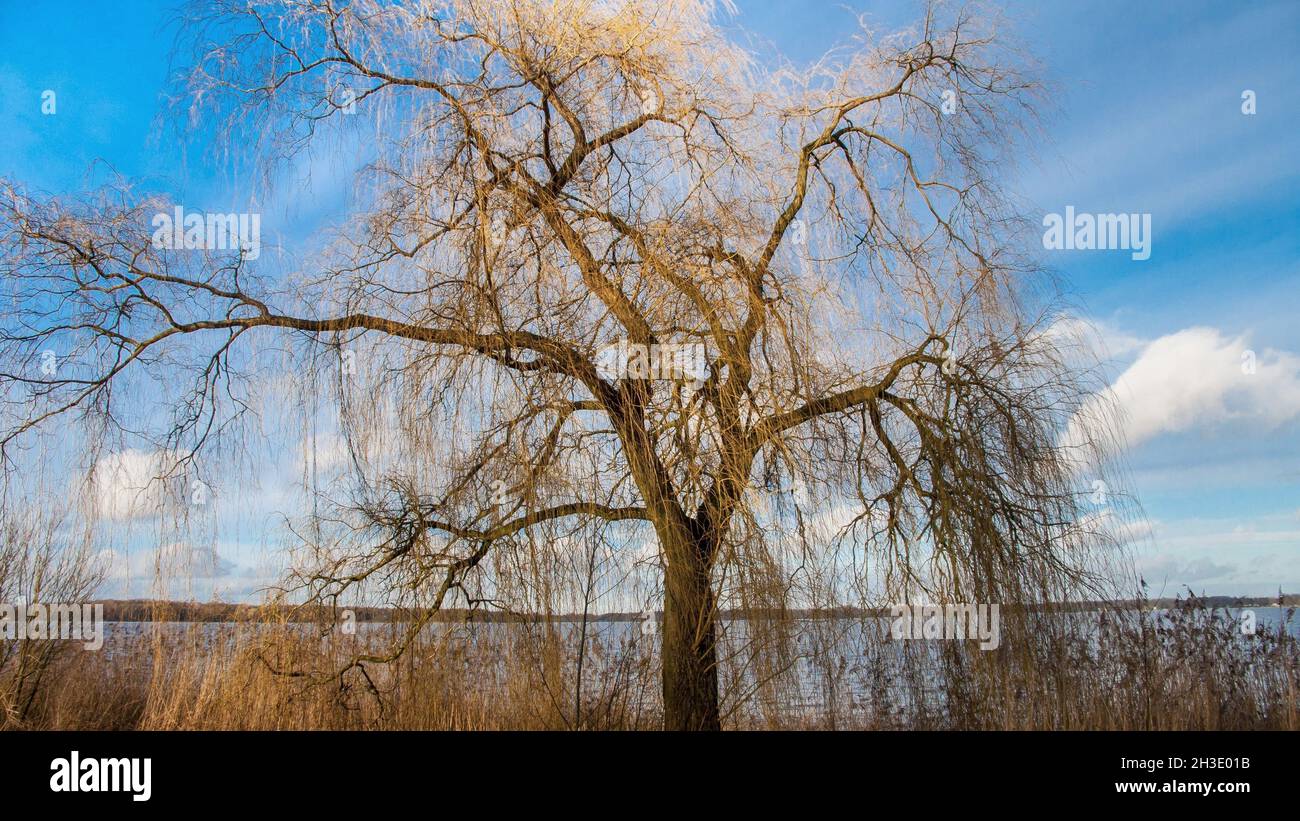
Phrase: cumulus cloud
(1098, 339)
(181, 569)
(177, 560)
(1196, 379)
(1136, 531)
(1169, 568)
(125, 485)
(324, 452)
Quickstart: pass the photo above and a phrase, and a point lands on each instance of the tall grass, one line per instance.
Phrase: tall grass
(1186, 668)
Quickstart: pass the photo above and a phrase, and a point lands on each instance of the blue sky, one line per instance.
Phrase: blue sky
(1145, 117)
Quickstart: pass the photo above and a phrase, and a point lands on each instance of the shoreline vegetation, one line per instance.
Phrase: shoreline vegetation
(152, 610)
(1091, 666)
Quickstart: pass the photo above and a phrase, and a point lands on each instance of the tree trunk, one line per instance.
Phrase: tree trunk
(690, 657)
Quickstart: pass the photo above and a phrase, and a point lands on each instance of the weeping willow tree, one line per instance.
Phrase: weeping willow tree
(614, 280)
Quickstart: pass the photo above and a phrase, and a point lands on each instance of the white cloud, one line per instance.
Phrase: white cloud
(183, 560)
(125, 486)
(1136, 531)
(1197, 379)
(323, 452)
(1097, 339)
(1166, 568)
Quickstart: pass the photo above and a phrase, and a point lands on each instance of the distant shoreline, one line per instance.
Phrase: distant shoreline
(150, 610)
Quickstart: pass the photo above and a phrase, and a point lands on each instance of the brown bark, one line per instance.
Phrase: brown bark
(690, 658)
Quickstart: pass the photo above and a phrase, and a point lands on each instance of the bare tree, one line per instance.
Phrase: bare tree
(45, 560)
(558, 183)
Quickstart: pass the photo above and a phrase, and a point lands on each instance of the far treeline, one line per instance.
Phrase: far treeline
(145, 610)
